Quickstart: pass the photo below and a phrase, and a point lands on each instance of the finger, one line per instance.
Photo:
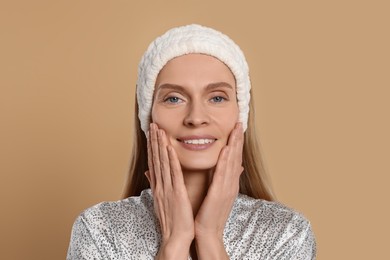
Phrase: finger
(233, 144)
(227, 174)
(221, 167)
(147, 174)
(240, 138)
(233, 135)
(155, 156)
(176, 172)
(229, 163)
(238, 141)
(151, 177)
(164, 160)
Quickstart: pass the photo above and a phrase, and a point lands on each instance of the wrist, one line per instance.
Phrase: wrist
(174, 249)
(211, 247)
(209, 241)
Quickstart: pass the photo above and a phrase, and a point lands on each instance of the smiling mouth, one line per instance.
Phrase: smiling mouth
(198, 141)
(197, 144)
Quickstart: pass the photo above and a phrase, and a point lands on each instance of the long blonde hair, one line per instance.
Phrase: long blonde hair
(253, 181)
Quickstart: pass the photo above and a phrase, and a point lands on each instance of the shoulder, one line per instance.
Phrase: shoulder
(274, 227)
(125, 210)
(130, 205)
(265, 211)
(102, 228)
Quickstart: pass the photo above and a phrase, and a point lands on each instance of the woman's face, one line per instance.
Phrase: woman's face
(195, 103)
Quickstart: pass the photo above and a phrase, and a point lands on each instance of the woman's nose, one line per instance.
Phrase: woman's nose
(197, 115)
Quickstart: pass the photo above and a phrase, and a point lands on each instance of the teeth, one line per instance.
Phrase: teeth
(199, 141)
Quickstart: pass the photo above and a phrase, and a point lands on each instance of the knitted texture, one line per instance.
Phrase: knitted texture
(185, 40)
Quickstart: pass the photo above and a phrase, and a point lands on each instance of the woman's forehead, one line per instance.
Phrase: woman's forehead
(195, 69)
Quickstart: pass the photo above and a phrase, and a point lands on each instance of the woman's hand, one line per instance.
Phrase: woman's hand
(216, 207)
(171, 202)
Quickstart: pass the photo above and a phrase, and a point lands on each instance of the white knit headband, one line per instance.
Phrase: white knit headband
(185, 40)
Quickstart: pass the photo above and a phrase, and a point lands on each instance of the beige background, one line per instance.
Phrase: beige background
(320, 72)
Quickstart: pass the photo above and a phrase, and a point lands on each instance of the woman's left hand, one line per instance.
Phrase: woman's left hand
(216, 207)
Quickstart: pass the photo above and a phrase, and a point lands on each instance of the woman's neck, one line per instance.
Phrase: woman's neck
(197, 184)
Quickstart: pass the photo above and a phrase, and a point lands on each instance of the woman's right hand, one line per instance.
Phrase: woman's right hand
(171, 202)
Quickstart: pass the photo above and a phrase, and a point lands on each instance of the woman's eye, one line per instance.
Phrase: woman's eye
(218, 99)
(173, 100)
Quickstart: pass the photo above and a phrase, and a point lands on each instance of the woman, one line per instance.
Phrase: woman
(196, 186)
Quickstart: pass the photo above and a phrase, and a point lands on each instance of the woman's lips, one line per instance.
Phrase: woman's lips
(197, 143)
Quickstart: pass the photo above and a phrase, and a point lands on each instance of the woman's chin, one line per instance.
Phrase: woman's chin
(197, 166)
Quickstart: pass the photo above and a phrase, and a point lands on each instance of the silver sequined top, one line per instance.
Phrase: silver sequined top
(129, 229)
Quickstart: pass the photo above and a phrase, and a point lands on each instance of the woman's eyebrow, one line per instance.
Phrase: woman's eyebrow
(210, 86)
(170, 86)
